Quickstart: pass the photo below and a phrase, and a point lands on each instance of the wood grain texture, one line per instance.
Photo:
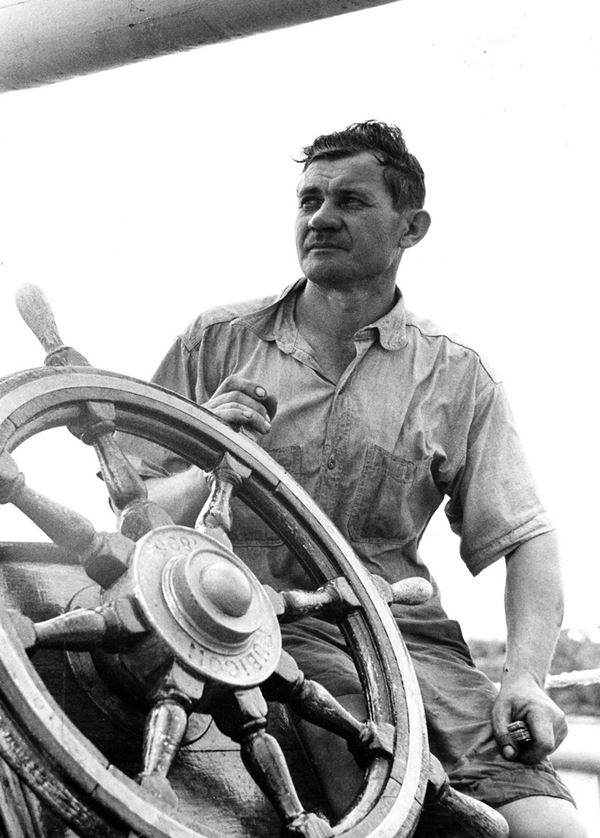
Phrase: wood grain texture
(35, 310)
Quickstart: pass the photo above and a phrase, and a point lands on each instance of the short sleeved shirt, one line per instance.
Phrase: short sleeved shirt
(414, 420)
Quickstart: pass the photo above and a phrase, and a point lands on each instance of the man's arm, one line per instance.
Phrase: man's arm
(534, 610)
(240, 403)
(181, 495)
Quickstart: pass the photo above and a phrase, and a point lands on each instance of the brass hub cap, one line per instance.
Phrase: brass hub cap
(206, 605)
(211, 598)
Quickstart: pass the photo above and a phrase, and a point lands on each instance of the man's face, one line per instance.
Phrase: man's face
(347, 228)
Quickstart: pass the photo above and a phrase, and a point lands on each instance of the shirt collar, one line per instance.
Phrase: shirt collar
(275, 321)
(392, 326)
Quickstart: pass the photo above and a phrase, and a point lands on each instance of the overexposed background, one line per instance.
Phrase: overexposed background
(137, 197)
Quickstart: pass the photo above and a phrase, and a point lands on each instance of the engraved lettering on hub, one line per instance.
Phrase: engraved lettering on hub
(171, 545)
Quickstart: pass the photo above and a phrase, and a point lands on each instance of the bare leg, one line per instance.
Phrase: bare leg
(543, 817)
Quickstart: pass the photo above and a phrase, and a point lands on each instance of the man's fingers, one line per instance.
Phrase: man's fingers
(241, 415)
(501, 718)
(233, 383)
(510, 746)
(236, 382)
(542, 733)
(547, 732)
(238, 398)
(507, 746)
(239, 389)
(270, 403)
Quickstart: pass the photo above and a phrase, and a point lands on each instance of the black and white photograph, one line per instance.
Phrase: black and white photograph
(299, 419)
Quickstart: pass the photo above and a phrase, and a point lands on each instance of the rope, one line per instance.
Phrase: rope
(583, 677)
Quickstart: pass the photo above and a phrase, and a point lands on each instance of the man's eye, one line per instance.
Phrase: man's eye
(353, 201)
(309, 203)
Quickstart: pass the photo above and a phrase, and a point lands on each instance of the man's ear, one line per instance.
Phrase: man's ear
(418, 222)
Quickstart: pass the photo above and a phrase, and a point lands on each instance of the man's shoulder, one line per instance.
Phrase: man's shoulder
(456, 349)
(223, 315)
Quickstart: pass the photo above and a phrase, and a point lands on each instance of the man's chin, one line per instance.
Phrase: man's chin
(321, 269)
(328, 279)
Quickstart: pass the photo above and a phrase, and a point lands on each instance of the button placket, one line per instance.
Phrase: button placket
(335, 444)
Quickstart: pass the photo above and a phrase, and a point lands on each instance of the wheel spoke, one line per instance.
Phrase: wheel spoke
(165, 728)
(315, 704)
(244, 719)
(176, 695)
(35, 310)
(111, 626)
(105, 556)
(336, 599)
(445, 804)
(127, 491)
(225, 479)
(411, 591)
(95, 425)
(331, 601)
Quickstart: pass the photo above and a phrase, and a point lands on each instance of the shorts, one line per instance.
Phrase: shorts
(457, 697)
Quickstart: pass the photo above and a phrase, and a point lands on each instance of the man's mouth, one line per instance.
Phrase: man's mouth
(323, 245)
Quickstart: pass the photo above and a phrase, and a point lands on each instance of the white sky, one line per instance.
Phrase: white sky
(139, 196)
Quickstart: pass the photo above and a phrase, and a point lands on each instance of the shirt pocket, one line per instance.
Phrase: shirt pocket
(388, 503)
(248, 527)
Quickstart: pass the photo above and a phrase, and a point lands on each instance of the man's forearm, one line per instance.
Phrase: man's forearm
(534, 607)
(181, 495)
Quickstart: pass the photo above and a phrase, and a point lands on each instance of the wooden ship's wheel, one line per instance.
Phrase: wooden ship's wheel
(164, 628)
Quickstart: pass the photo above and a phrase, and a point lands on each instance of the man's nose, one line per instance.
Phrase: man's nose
(325, 217)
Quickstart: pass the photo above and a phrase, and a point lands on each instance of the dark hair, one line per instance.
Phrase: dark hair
(403, 173)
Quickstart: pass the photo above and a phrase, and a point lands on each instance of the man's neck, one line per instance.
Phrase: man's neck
(329, 318)
(339, 313)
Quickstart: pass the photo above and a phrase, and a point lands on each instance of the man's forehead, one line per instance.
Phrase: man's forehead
(359, 170)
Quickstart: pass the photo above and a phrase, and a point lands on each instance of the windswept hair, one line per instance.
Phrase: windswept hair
(402, 173)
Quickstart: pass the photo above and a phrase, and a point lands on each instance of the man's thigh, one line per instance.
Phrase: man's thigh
(458, 700)
(543, 817)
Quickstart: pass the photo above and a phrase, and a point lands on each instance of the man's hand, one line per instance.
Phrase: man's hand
(522, 699)
(238, 402)
(243, 403)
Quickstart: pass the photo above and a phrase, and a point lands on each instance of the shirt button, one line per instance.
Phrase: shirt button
(331, 462)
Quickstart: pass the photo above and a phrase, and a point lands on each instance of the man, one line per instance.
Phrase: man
(379, 416)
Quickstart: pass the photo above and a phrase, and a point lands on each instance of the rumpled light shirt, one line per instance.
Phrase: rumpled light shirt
(416, 417)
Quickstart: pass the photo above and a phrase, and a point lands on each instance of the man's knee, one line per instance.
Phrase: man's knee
(543, 817)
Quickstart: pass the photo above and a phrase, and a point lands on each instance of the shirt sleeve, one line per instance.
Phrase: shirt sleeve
(494, 504)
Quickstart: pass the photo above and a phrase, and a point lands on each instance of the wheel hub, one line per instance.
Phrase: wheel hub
(206, 606)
